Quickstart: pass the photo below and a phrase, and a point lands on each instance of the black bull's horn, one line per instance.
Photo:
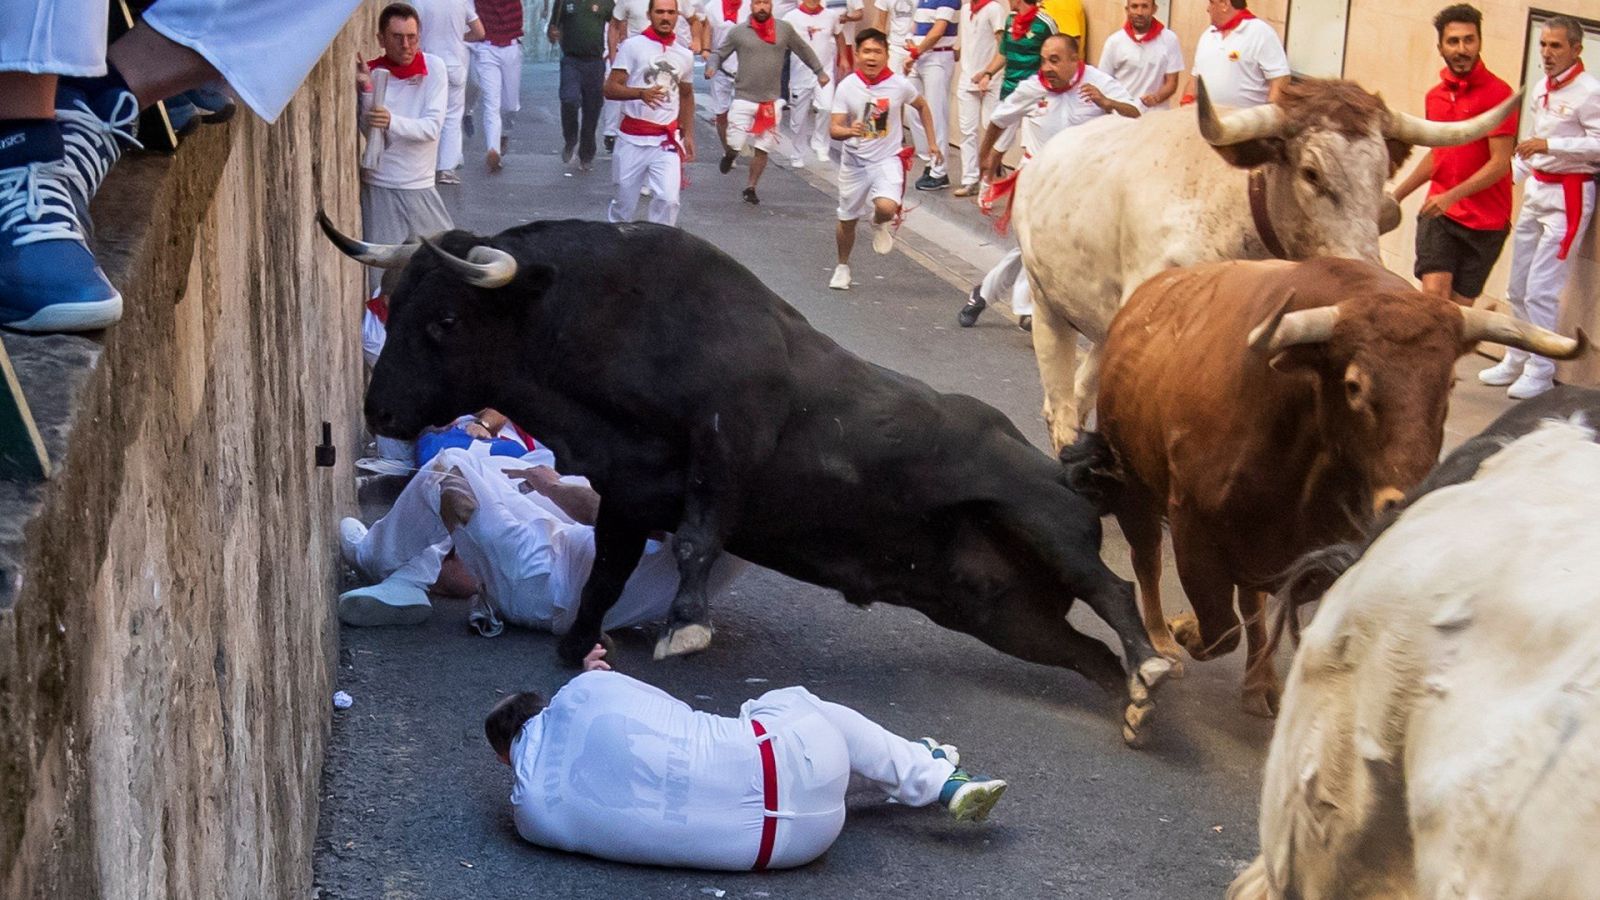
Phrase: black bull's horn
(384, 256)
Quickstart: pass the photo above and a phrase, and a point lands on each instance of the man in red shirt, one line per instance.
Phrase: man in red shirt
(1463, 223)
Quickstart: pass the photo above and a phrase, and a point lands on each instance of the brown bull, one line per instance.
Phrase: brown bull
(1265, 409)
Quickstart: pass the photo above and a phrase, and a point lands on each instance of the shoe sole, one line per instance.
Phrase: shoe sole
(66, 317)
(882, 248)
(1498, 382)
(362, 611)
(974, 802)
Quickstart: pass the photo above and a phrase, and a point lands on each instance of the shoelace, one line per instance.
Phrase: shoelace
(36, 205)
(92, 142)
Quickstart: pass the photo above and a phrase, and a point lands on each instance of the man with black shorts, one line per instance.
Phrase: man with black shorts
(1465, 219)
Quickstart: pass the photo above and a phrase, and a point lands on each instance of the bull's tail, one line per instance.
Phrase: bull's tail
(1089, 466)
(1306, 582)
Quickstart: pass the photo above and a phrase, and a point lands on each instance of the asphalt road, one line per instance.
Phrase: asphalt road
(415, 805)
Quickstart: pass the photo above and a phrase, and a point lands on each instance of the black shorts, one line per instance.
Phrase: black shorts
(1445, 245)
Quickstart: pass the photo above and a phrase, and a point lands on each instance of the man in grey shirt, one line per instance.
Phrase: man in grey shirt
(760, 44)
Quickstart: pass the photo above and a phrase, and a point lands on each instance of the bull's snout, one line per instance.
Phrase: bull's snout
(1386, 499)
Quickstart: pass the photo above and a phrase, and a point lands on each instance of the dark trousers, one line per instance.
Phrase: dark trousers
(581, 83)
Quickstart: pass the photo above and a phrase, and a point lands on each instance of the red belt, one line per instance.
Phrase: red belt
(667, 132)
(1572, 196)
(766, 117)
(378, 305)
(769, 797)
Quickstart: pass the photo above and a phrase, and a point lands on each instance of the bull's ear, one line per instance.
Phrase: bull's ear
(1252, 153)
(1398, 152)
(531, 283)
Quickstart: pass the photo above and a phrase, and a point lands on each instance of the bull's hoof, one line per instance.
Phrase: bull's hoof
(1260, 701)
(1186, 630)
(681, 639)
(1136, 723)
(572, 648)
(1148, 677)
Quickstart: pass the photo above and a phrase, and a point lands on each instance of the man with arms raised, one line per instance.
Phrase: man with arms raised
(1143, 55)
(867, 116)
(653, 78)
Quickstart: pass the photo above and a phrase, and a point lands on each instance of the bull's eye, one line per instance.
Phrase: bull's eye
(438, 328)
(1312, 176)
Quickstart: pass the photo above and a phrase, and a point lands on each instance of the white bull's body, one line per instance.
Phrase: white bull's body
(1440, 733)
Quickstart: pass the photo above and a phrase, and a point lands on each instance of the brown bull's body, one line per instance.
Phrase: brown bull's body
(1264, 409)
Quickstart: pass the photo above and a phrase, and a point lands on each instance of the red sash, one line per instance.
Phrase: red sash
(1155, 29)
(769, 797)
(766, 117)
(1572, 196)
(667, 132)
(1000, 190)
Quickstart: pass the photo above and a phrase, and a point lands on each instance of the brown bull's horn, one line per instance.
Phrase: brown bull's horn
(1423, 133)
(1498, 328)
(484, 267)
(1240, 126)
(384, 256)
(1286, 329)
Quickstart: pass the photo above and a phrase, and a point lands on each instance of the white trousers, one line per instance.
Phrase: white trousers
(635, 167)
(264, 48)
(931, 75)
(455, 108)
(817, 746)
(973, 109)
(1537, 277)
(1008, 272)
(498, 71)
(808, 118)
(610, 116)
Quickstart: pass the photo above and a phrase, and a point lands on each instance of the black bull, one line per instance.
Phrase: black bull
(698, 402)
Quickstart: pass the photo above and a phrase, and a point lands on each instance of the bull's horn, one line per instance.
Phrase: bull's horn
(384, 256)
(1288, 329)
(1424, 133)
(1240, 126)
(485, 267)
(1498, 328)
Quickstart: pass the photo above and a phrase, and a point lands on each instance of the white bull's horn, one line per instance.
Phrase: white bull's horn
(1289, 329)
(384, 256)
(485, 267)
(1423, 133)
(1498, 328)
(1240, 126)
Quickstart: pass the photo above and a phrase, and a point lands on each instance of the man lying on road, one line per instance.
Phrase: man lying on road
(618, 769)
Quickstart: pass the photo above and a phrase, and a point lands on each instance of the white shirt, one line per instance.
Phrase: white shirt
(902, 21)
(444, 26)
(721, 28)
(416, 116)
(636, 15)
(818, 31)
(647, 63)
(1237, 67)
(1141, 66)
(879, 105)
(978, 40)
(1044, 113)
(1569, 120)
(618, 769)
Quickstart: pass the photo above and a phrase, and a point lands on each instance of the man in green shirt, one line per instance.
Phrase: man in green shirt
(1020, 43)
(579, 26)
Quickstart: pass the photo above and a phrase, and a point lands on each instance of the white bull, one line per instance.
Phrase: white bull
(1440, 734)
(1106, 205)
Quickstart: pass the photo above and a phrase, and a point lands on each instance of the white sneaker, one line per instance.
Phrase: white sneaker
(1529, 385)
(1501, 374)
(841, 278)
(351, 534)
(391, 602)
(882, 238)
(822, 154)
(797, 162)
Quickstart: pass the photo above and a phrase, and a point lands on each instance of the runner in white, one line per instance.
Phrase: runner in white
(809, 102)
(897, 19)
(630, 18)
(618, 769)
(723, 17)
(1144, 55)
(1067, 92)
(447, 27)
(1239, 57)
(653, 77)
(982, 22)
(867, 116)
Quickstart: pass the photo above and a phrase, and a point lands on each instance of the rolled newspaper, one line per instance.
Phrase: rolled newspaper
(377, 138)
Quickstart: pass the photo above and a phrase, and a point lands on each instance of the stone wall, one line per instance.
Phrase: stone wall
(166, 630)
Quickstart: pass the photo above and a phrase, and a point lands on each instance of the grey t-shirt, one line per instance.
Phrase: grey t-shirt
(760, 75)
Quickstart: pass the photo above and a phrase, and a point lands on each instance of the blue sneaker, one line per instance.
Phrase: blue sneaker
(970, 798)
(201, 106)
(98, 118)
(49, 280)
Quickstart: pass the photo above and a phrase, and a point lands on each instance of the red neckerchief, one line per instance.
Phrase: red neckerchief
(418, 66)
(882, 74)
(1551, 85)
(1233, 23)
(1023, 20)
(665, 40)
(1155, 29)
(977, 5)
(730, 10)
(767, 31)
(1459, 85)
(810, 12)
(1077, 79)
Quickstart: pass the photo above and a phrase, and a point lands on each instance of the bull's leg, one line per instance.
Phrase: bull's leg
(1141, 525)
(1086, 387)
(1055, 348)
(617, 548)
(1213, 630)
(1259, 696)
